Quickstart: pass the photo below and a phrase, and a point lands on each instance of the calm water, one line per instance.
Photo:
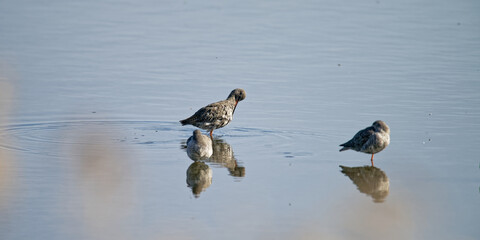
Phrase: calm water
(91, 93)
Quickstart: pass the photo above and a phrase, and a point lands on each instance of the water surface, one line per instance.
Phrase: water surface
(91, 93)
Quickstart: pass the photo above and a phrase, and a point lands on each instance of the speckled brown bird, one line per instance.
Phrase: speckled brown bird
(370, 140)
(216, 115)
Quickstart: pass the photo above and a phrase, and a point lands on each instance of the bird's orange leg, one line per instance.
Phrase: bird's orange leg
(211, 136)
(371, 160)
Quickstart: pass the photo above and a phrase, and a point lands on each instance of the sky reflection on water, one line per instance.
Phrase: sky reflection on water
(91, 93)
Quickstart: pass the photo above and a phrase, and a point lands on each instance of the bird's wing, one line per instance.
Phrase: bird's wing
(207, 113)
(360, 138)
(189, 139)
(371, 142)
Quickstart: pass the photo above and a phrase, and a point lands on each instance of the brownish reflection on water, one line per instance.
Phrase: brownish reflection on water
(7, 163)
(103, 184)
(362, 220)
(369, 180)
(7, 176)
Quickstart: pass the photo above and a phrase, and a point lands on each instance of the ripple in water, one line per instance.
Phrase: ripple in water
(48, 138)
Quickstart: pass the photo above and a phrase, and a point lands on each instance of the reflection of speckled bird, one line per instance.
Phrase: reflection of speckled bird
(199, 146)
(223, 155)
(216, 115)
(370, 140)
(199, 177)
(369, 180)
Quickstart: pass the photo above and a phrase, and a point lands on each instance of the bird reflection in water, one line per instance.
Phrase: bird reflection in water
(199, 174)
(223, 156)
(199, 177)
(369, 180)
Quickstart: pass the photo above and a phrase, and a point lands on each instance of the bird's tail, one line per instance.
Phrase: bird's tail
(185, 121)
(344, 147)
(345, 169)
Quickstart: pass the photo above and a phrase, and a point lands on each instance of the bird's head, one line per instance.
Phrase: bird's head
(380, 125)
(197, 134)
(238, 93)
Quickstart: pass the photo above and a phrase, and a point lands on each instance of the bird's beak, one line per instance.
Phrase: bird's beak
(235, 107)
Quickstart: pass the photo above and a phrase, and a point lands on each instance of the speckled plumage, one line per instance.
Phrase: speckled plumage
(216, 115)
(370, 140)
(199, 146)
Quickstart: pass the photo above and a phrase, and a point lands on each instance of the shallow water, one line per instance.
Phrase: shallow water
(91, 93)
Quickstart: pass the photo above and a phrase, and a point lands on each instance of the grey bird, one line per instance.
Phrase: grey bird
(199, 146)
(370, 140)
(216, 115)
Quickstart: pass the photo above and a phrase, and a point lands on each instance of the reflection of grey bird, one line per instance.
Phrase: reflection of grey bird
(369, 180)
(199, 146)
(216, 115)
(223, 155)
(370, 140)
(199, 177)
